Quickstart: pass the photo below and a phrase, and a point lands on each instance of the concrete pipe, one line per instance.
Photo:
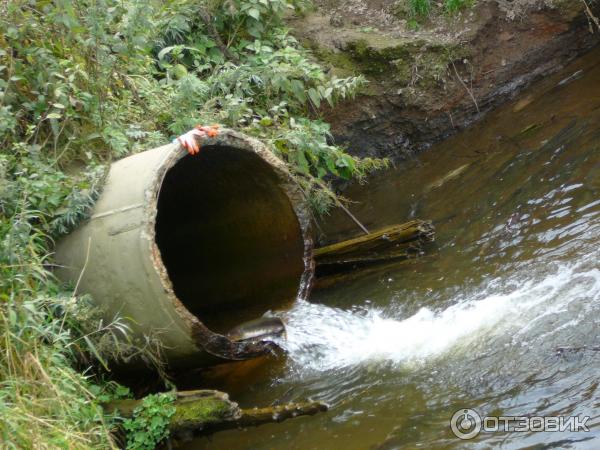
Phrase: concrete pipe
(190, 246)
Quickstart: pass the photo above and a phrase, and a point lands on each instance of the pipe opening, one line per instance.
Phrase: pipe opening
(228, 236)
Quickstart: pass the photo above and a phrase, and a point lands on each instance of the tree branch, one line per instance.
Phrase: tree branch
(210, 27)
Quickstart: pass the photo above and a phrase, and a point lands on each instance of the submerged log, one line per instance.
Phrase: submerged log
(393, 243)
(207, 411)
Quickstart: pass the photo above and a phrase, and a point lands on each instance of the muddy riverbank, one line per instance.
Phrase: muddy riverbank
(429, 78)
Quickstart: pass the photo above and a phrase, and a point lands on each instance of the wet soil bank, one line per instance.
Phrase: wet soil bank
(432, 77)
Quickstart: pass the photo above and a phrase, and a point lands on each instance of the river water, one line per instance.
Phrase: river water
(494, 317)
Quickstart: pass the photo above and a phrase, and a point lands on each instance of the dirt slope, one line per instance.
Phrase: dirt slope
(430, 78)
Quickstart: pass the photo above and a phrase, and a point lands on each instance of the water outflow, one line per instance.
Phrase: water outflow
(517, 215)
(321, 337)
(502, 317)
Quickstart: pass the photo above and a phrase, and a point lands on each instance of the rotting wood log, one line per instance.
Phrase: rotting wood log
(393, 243)
(208, 411)
(278, 413)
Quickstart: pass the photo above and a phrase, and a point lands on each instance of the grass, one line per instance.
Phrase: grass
(422, 9)
(453, 6)
(83, 83)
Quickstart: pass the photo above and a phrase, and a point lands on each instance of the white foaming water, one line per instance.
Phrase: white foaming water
(322, 338)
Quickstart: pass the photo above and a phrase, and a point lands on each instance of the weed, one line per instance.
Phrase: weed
(413, 25)
(150, 421)
(453, 6)
(84, 82)
(420, 8)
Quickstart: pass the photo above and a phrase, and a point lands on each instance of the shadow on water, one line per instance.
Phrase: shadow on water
(516, 204)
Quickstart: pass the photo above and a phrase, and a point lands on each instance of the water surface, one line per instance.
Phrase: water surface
(477, 322)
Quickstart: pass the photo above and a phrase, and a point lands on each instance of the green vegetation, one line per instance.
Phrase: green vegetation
(83, 82)
(150, 421)
(453, 6)
(415, 10)
(420, 8)
(415, 62)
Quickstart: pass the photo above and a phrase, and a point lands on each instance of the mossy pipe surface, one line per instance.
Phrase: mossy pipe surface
(184, 246)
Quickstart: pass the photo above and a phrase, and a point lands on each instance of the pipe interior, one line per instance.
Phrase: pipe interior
(228, 236)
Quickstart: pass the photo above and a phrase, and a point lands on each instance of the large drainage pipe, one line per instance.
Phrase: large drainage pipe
(189, 246)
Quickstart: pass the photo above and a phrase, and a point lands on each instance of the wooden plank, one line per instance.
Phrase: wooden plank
(392, 243)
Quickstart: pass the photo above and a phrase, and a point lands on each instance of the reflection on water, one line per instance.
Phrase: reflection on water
(515, 275)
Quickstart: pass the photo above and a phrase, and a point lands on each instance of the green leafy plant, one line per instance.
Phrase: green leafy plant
(150, 421)
(84, 82)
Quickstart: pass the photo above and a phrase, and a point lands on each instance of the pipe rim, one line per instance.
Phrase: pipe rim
(214, 343)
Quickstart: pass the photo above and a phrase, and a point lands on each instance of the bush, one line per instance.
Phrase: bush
(150, 422)
(83, 82)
